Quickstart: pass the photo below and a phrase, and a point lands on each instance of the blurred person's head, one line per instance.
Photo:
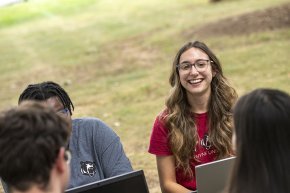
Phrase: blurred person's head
(33, 152)
(52, 94)
(262, 142)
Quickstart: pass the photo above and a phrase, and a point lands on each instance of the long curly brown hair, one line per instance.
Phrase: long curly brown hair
(183, 136)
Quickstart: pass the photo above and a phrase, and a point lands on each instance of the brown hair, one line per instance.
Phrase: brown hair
(31, 136)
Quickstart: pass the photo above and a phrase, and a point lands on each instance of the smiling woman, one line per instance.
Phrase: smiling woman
(196, 125)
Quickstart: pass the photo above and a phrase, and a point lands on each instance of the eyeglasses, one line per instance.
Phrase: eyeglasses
(67, 156)
(200, 65)
(63, 112)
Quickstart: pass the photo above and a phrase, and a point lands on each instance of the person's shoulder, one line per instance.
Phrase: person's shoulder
(92, 124)
(86, 120)
(161, 116)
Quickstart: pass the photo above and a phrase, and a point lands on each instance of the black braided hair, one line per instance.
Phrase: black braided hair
(45, 90)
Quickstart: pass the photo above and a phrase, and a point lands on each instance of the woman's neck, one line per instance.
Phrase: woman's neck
(198, 103)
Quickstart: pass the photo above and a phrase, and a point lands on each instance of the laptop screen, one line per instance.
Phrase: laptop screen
(213, 176)
(131, 182)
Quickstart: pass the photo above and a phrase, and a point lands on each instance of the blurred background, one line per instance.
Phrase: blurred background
(114, 56)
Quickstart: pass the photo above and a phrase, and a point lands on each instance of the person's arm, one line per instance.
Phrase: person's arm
(114, 159)
(109, 150)
(167, 178)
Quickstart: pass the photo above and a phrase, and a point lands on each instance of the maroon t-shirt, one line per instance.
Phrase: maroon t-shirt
(159, 145)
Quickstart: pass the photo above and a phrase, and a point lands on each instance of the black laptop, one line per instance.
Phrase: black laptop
(132, 182)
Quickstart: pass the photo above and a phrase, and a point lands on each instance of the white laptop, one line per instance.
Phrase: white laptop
(213, 176)
(132, 182)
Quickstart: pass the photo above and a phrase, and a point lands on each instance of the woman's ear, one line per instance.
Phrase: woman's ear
(214, 73)
(214, 70)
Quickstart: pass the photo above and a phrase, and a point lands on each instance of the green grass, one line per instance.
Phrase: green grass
(40, 9)
(114, 57)
(258, 60)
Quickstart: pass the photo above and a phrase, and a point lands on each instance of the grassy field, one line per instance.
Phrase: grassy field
(114, 57)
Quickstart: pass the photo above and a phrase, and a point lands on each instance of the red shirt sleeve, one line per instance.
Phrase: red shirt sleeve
(159, 144)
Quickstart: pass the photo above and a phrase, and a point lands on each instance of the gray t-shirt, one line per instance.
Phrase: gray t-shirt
(97, 153)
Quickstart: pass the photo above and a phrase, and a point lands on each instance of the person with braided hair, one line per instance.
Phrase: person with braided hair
(97, 152)
(196, 125)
